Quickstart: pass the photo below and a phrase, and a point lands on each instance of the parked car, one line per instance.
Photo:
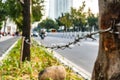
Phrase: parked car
(35, 34)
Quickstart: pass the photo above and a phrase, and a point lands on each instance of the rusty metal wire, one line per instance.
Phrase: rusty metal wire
(78, 39)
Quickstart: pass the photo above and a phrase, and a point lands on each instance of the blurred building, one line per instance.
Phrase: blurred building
(57, 7)
(54, 8)
(9, 28)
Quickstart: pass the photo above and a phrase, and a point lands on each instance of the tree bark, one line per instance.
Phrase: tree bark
(26, 30)
(107, 65)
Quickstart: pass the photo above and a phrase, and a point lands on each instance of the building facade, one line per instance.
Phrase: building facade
(9, 28)
(57, 7)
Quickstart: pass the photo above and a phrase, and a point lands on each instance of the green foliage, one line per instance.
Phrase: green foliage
(37, 8)
(48, 24)
(79, 16)
(92, 20)
(37, 14)
(40, 59)
(76, 18)
(58, 21)
(19, 23)
(66, 20)
(14, 9)
(14, 12)
(0, 25)
(3, 12)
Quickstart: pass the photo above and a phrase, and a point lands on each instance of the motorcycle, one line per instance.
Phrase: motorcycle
(42, 36)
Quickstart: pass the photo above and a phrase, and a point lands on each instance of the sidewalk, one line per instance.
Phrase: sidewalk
(3, 38)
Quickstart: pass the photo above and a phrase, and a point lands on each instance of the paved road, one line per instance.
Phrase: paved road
(6, 44)
(83, 56)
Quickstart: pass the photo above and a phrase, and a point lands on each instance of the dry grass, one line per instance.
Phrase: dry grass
(11, 70)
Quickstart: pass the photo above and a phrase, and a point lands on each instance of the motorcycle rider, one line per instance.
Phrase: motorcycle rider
(42, 34)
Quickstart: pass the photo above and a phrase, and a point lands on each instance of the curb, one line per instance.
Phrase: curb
(7, 52)
(78, 70)
(68, 63)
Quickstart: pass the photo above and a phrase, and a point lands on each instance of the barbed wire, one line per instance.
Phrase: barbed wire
(78, 39)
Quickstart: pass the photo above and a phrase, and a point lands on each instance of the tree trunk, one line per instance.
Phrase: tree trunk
(107, 65)
(26, 30)
(4, 34)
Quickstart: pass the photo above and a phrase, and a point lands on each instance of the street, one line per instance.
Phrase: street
(82, 54)
(6, 44)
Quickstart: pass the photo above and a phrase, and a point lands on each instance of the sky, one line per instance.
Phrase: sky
(92, 4)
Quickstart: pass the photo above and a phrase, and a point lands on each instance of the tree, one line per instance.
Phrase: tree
(14, 12)
(20, 11)
(14, 9)
(0, 25)
(26, 29)
(59, 22)
(92, 20)
(3, 13)
(37, 7)
(79, 17)
(107, 65)
(48, 24)
(66, 21)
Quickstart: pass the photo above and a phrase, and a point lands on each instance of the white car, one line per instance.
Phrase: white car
(35, 34)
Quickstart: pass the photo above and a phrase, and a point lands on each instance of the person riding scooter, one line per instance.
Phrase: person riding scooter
(42, 34)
